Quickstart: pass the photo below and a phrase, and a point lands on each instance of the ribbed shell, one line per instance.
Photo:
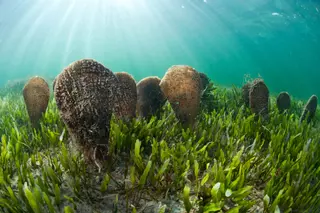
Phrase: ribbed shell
(150, 97)
(259, 98)
(85, 95)
(181, 85)
(309, 110)
(36, 94)
(283, 101)
(128, 98)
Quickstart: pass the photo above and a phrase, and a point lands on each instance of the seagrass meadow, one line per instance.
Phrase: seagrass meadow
(231, 162)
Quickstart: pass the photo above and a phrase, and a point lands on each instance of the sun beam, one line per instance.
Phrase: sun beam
(124, 3)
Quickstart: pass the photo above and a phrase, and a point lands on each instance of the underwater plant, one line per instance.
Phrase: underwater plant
(181, 86)
(156, 166)
(283, 101)
(209, 100)
(85, 94)
(36, 94)
(259, 98)
(309, 110)
(150, 97)
(128, 97)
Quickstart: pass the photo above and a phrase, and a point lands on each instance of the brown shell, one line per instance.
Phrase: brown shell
(53, 83)
(309, 110)
(36, 94)
(245, 94)
(128, 98)
(182, 87)
(150, 98)
(204, 80)
(85, 95)
(283, 101)
(259, 98)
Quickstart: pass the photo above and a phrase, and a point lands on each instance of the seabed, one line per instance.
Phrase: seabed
(230, 162)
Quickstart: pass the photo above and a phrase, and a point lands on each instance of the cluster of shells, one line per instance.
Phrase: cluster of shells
(87, 94)
(255, 95)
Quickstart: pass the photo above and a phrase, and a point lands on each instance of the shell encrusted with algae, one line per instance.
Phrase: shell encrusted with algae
(150, 97)
(309, 110)
(283, 101)
(205, 80)
(245, 94)
(128, 98)
(36, 94)
(85, 95)
(181, 85)
(259, 98)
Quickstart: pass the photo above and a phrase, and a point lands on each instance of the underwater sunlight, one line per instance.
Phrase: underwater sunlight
(225, 39)
(154, 106)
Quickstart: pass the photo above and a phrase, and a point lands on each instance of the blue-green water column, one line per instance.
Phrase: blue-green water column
(278, 40)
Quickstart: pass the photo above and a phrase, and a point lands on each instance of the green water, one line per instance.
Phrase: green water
(226, 39)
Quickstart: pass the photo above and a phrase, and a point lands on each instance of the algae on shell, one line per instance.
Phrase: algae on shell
(182, 87)
(85, 95)
(245, 94)
(128, 97)
(150, 97)
(204, 80)
(283, 101)
(309, 110)
(36, 94)
(259, 98)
